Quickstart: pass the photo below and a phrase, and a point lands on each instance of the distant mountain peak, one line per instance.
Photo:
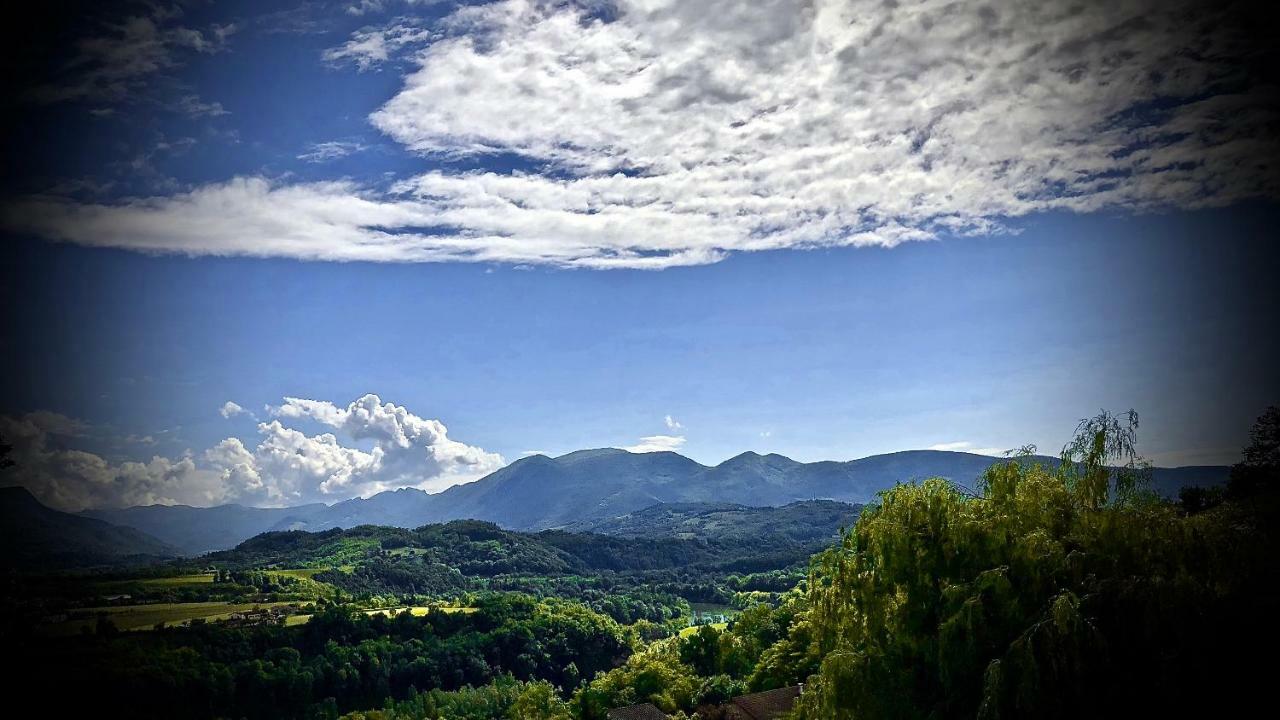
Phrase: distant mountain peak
(591, 454)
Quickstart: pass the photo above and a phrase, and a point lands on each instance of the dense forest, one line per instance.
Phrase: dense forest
(1048, 590)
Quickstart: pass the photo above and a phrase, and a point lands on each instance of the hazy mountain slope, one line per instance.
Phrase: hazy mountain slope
(199, 530)
(1168, 481)
(802, 523)
(36, 536)
(539, 492)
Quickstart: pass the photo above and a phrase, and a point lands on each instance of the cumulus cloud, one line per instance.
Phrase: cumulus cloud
(672, 423)
(286, 466)
(230, 409)
(657, 443)
(675, 132)
(73, 479)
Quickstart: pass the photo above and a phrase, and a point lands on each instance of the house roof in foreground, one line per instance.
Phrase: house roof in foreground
(768, 704)
(643, 711)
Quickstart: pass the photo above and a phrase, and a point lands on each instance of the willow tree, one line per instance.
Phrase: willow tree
(1047, 593)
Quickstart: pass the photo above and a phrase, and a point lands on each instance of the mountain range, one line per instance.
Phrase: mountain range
(591, 486)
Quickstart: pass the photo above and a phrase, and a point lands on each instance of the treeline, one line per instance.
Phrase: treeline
(339, 661)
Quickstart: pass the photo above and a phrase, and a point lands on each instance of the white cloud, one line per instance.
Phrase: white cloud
(332, 150)
(672, 423)
(369, 48)
(968, 447)
(286, 467)
(230, 409)
(73, 479)
(657, 443)
(675, 133)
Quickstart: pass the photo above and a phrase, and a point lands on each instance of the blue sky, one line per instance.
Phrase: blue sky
(553, 227)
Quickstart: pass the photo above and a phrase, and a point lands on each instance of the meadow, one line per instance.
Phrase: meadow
(147, 617)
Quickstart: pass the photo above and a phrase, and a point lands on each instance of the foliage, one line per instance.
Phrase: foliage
(1056, 592)
(342, 660)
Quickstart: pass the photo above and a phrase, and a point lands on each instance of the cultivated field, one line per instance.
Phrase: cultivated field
(146, 617)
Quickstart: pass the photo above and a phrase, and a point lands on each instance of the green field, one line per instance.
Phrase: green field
(111, 587)
(300, 573)
(416, 611)
(146, 586)
(197, 579)
(686, 632)
(146, 617)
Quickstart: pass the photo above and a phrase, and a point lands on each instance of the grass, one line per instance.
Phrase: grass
(146, 617)
(416, 611)
(420, 610)
(686, 632)
(198, 579)
(300, 573)
(113, 587)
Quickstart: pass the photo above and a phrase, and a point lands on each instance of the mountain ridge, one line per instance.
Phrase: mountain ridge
(35, 535)
(540, 492)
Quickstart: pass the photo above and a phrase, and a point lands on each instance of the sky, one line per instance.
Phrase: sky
(281, 253)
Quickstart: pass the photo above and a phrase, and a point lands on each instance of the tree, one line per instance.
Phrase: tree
(539, 701)
(1261, 465)
(1089, 460)
(1059, 592)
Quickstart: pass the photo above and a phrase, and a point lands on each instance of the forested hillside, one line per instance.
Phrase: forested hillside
(801, 522)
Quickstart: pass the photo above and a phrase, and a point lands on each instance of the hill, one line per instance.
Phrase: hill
(194, 530)
(36, 536)
(803, 523)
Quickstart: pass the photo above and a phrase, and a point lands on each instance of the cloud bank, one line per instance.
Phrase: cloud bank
(285, 467)
(674, 132)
